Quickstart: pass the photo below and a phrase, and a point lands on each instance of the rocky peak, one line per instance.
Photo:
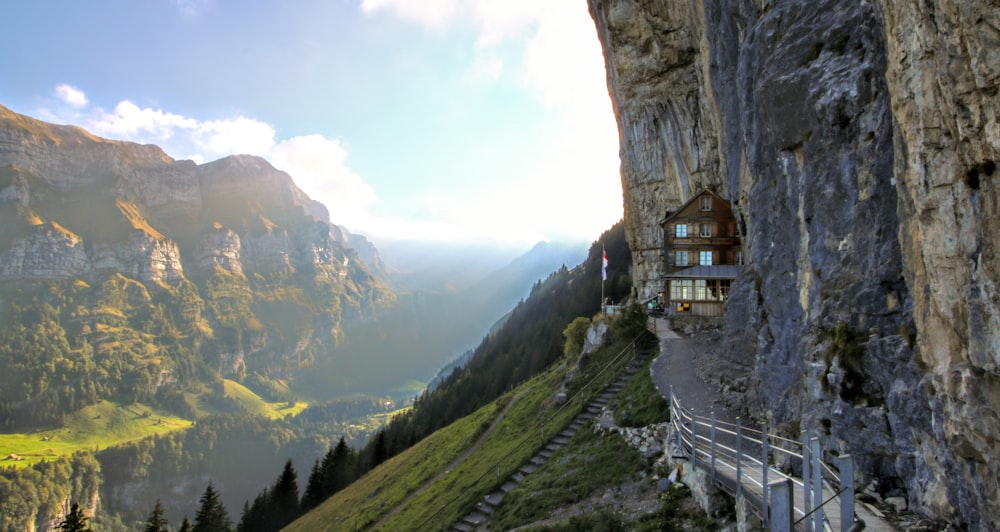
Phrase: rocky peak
(75, 207)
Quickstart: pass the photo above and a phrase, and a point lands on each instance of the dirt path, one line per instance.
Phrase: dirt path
(677, 367)
(458, 461)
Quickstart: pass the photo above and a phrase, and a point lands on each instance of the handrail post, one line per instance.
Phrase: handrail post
(781, 505)
(739, 459)
(713, 446)
(846, 466)
(764, 460)
(817, 478)
(678, 421)
(694, 440)
(807, 485)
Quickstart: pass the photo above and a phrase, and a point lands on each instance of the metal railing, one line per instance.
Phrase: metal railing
(739, 459)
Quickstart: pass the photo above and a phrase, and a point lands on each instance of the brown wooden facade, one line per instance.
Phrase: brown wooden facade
(703, 255)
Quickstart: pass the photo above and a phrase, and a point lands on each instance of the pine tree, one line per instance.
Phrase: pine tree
(284, 503)
(380, 453)
(185, 525)
(257, 516)
(75, 521)
(156, 521)
(212, 515)
(314, 488)
(343, 470)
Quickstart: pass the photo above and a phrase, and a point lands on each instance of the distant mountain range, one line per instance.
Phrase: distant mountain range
(449, 298)
(159, 273)
(153, 276)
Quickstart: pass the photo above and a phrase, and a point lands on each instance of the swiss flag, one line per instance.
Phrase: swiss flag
(604, 264)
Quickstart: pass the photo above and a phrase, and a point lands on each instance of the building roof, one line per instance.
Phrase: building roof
(669, 215)
(721, 271)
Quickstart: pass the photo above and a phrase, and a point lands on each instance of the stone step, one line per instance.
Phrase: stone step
(553, 446)
(561, 440)
(528, 469)
(538, 459)
(462, 527)
(494, 498)
(486, 508)
(475, 518)
(509, 485)
(518, 477)
(545, 453)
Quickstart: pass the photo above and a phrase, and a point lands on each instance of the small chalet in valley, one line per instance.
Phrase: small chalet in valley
(703, 255)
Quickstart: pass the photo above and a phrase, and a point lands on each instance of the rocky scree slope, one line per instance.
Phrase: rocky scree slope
(858, 144)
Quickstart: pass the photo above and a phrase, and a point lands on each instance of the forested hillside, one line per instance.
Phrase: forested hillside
(530, 340)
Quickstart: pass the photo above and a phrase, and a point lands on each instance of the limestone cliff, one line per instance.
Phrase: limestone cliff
(242, 272)
(857, 142)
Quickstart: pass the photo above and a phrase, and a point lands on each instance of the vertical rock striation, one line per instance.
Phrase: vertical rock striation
(944, 75)
(857, 142)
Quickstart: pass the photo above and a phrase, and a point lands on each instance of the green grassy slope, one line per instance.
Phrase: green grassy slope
(412, 476)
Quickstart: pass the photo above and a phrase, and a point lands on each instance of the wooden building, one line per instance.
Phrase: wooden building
(703, 255)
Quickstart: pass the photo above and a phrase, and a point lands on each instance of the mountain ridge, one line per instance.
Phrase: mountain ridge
(228, 262)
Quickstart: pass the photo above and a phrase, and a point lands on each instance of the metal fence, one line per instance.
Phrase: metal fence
(740, 460)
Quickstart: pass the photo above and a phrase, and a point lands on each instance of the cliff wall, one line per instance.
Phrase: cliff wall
(857, 142)
(241, 271)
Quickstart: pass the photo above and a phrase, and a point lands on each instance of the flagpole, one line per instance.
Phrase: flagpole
(602, 295)
(604, 274)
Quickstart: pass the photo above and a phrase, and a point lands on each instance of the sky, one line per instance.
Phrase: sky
(451, 120)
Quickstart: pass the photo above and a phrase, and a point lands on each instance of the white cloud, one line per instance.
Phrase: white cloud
(235, 135)
(130, 122)
(551, 49)
(71, 95)
(485, 69)
(319, 166)
(436, 14)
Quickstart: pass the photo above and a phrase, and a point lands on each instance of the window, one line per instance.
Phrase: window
(706, 230)
(724, 285)
(706, 203)
(680, 258)
(680, 231)
(700, 289)
(705, 258)
(680, 290)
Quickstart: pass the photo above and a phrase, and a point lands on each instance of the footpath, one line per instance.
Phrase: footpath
(479, 518)
(676, 369)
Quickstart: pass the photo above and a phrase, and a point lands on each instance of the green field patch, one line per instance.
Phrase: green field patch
(253, 403)
(95, 427)
(107, 424)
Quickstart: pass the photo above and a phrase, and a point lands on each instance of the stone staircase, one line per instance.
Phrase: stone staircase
(478, 519)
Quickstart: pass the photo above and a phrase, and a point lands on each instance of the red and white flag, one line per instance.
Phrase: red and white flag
(604, 265)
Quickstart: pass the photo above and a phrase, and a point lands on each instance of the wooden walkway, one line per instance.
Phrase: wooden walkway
(732, 440)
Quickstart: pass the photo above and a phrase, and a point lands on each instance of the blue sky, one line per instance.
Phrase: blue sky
(428, 119)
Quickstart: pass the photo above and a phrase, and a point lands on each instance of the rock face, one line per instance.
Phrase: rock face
(857, 142)
(274, 279)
